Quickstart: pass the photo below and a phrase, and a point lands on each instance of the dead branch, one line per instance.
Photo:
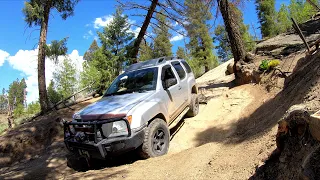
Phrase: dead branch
(298, 30)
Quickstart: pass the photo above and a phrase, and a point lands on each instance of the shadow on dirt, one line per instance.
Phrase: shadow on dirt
(297, 86)
(81, 165)
(212, 85)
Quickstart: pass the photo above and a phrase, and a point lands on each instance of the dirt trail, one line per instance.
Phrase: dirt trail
(201, 147)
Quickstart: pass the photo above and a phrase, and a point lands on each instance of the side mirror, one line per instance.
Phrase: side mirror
(169, 82)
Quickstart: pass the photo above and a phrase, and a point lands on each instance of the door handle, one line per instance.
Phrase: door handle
(179, 88)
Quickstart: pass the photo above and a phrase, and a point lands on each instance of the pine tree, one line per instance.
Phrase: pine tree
(106, 65)
(301, 10)
(37, 13)
(89, 53)
(223, 48)
(53, 95)
(56, 49)
(91, 74)
(267, 17)
(16, 93)
(65, 77)
(200, 43)
(115, 39)
(162, 45)
(181, 53)
(283, 19)
(145, 52)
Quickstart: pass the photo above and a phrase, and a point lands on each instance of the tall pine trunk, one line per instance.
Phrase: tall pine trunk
(233, 30)
(143, 30)
(43, 97)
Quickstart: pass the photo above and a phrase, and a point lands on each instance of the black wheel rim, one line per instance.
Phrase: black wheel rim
(159, 141)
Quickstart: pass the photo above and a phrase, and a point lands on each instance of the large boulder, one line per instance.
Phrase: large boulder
(247, 73)
(230, 68)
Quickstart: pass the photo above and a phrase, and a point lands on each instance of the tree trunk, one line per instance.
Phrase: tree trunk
(233, 30)
(143, 30)
(43, 97)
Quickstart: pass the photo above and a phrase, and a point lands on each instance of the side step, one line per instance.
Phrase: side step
(178, 119)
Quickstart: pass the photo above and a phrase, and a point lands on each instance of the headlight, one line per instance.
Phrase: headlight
(76, 117)
(117, 128)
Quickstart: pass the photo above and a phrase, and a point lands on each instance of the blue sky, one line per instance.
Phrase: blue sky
(18, 42)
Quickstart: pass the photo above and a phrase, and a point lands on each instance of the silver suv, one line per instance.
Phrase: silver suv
(136, 111)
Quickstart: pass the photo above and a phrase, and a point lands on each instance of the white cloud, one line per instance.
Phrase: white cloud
(26, 61)
(135, 31)
(174, 24)
(85, 36)
(3, 56)
(90, 32)
(102, 21)
(176, 38)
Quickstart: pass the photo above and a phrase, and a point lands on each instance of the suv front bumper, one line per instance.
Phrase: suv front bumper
(106, 147)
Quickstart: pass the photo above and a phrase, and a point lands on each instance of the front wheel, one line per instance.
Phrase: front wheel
(194, 106)
(156, 139)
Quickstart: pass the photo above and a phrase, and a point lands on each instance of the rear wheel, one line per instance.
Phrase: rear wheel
(194, 106)
(156, 139)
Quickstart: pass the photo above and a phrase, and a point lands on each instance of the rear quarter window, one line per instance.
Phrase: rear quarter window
(177, 66)
(186, 65)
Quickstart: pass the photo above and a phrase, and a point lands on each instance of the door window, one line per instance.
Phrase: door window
(166, 74)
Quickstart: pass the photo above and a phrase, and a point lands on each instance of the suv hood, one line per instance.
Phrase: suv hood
(112, 106)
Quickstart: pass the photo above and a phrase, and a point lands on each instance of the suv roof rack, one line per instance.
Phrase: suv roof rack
(150, 63)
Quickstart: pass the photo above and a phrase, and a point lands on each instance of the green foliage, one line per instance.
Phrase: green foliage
(301, 10)
(111, 58)
(223, 48)
(16, 93)
(221, 35)
(3, 101)
(34, 10)
(65, 77)
(162, 45)
(88, 55)
(56, 49)
(53, 95)
(267, 15)
(200, 43)
(283, 19)
(18, 111)
(89, 75)
(145, 52)
(196, 69)
(33, 108)
(268, 64)
(115, 40)
(3, 127)
(181, 53)
(274, 23)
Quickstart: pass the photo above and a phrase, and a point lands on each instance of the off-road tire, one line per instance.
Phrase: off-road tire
(194, 106)
(148, 148)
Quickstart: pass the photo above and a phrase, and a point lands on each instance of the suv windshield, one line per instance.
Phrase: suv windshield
(134, 81)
